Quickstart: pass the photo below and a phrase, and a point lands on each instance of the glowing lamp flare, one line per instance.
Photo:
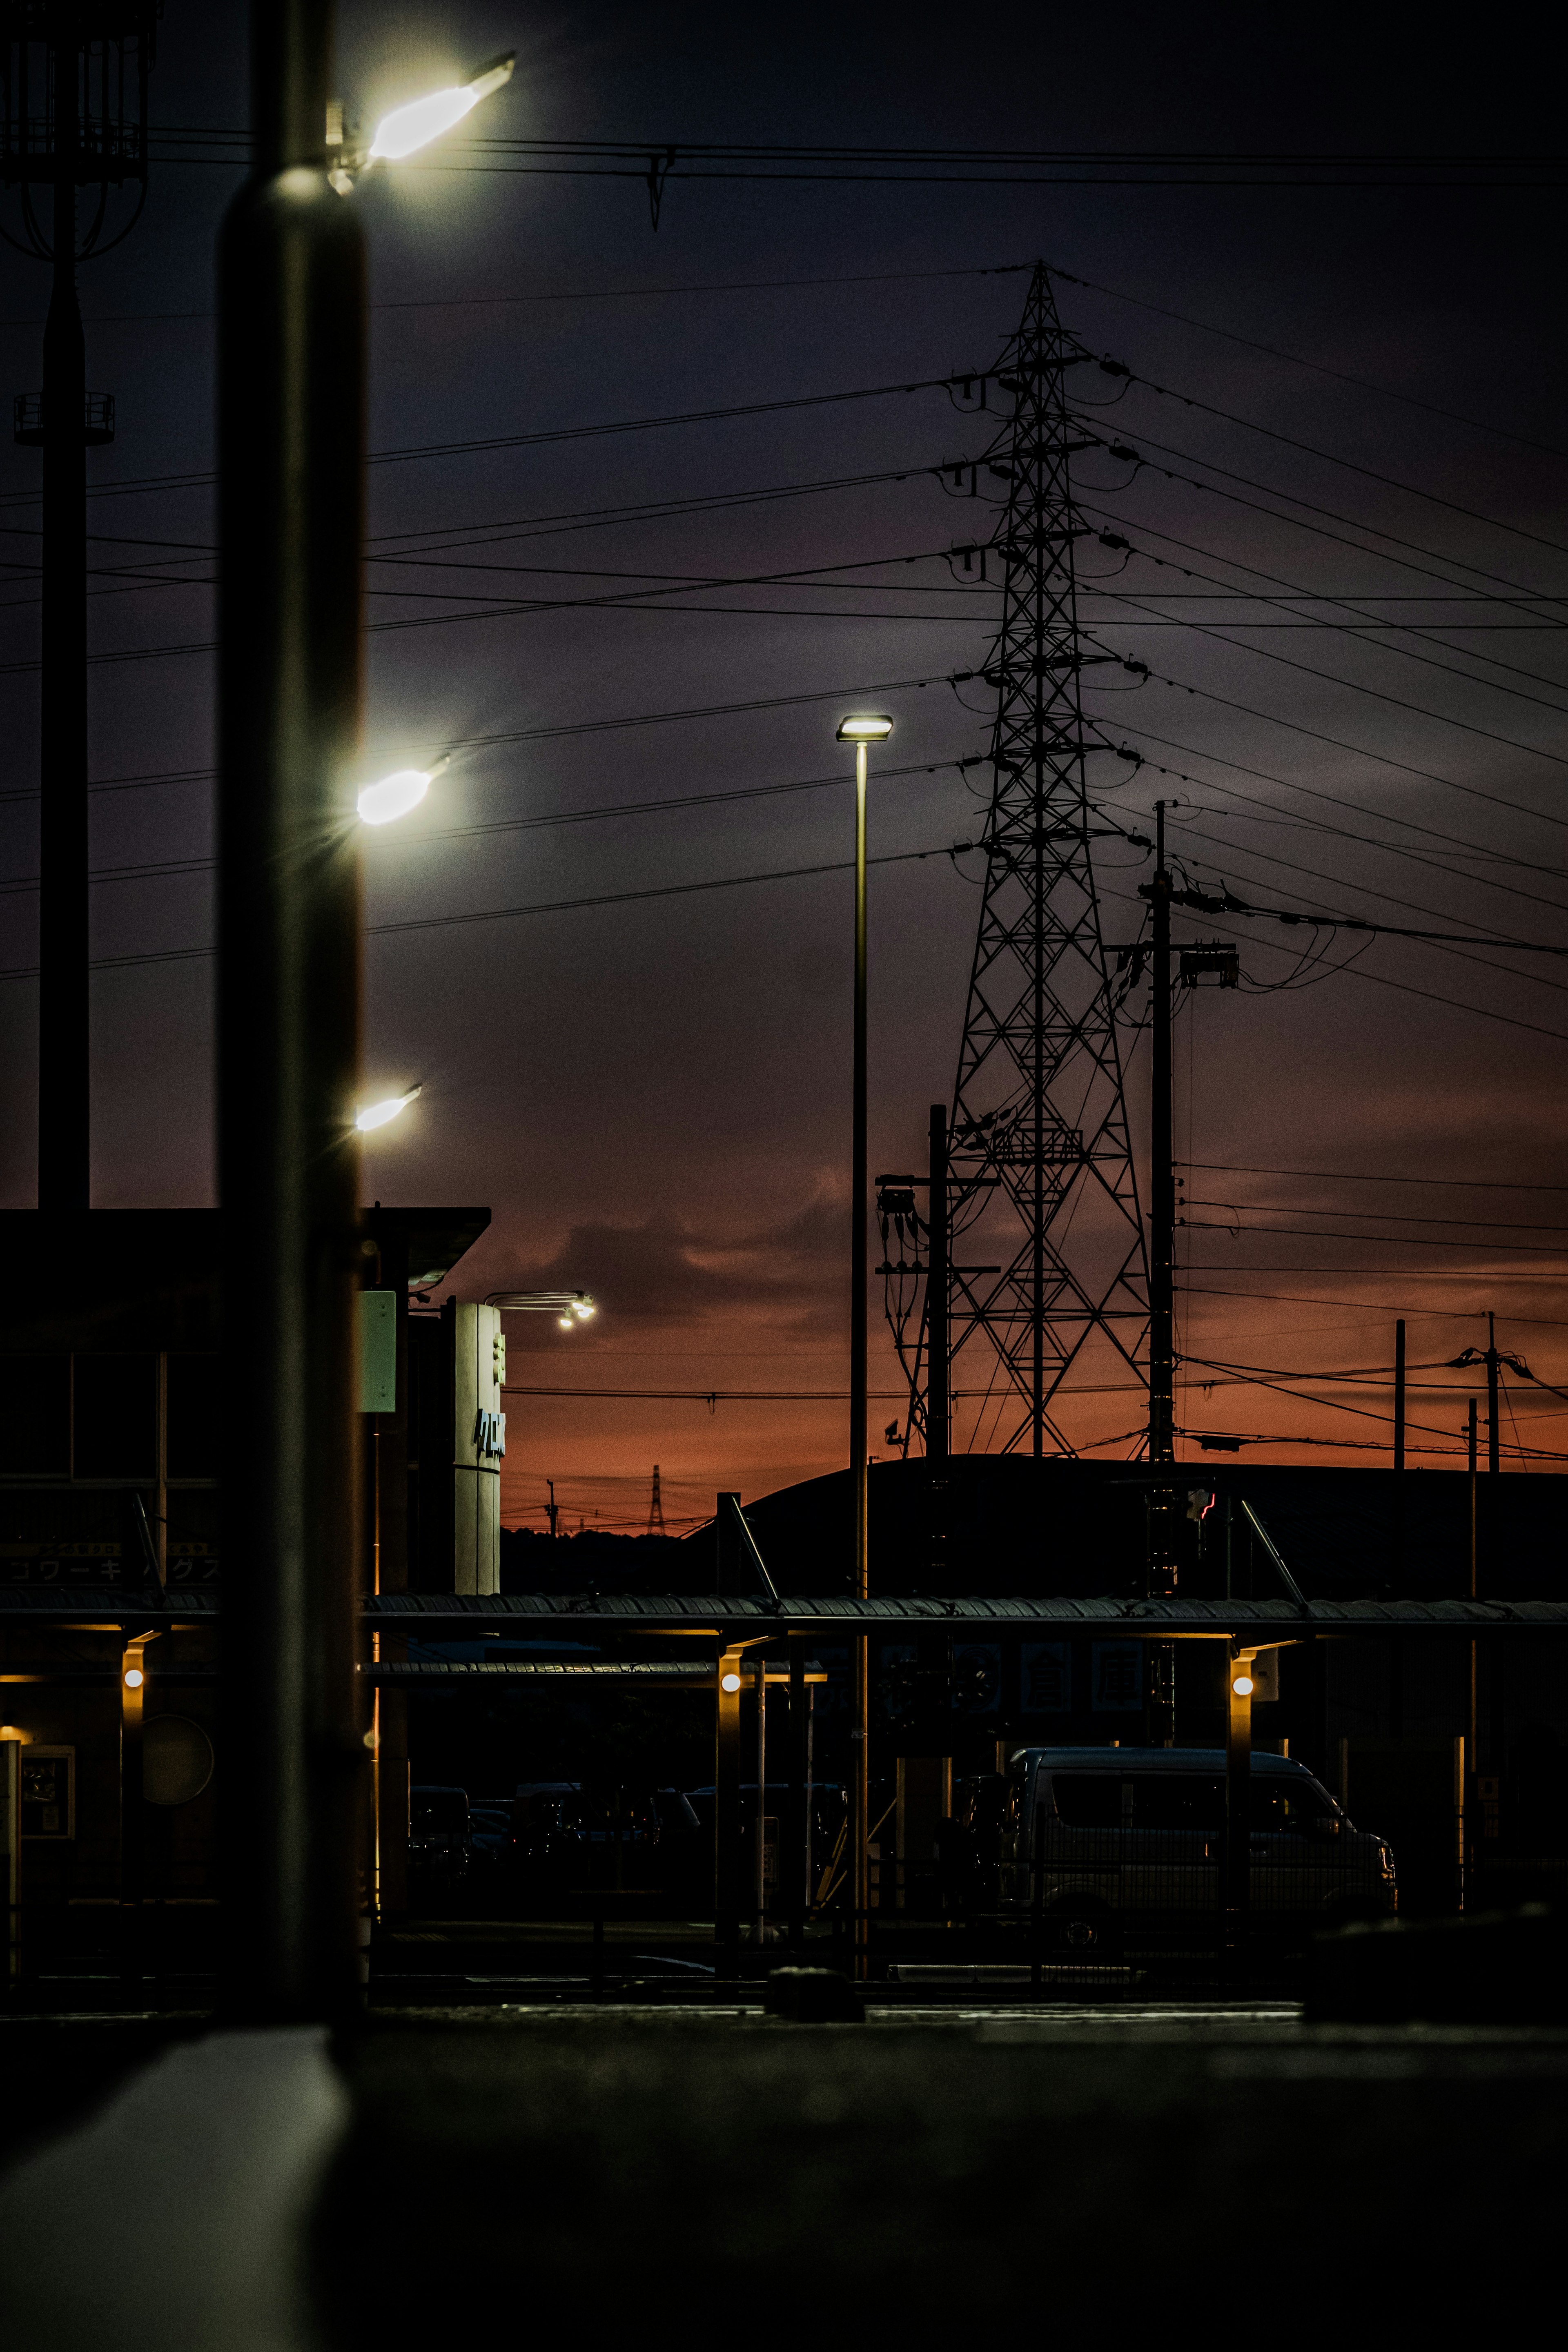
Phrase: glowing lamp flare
(394, 796)
(868, 726)
(1242, 1686)
(729, 1681)
(134, 1678)
(409, 128)
(376, 1115)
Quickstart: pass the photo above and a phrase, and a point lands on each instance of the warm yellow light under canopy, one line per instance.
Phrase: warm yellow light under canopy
(376, 1115)
(868, 727)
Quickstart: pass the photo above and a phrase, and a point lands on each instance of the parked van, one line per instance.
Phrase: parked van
(1132, 1841)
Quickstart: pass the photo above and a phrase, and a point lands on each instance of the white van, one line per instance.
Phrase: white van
(1132, 1841)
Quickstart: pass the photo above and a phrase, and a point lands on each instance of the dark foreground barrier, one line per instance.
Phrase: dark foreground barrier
(602, 2181)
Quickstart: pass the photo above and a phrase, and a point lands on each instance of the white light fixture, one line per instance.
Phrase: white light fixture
(134, 1678)
(394, 795)
(569, 1307)
(868, 727)
(409, 128)
(732, 1682)
(376, 1115)
(1242, 1686)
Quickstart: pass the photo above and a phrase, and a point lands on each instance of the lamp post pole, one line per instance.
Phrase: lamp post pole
(858, 1349)
(860, 730)
(292, 471)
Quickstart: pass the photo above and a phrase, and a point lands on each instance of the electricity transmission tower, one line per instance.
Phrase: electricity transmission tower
(1040, 1174)
(656, 1526)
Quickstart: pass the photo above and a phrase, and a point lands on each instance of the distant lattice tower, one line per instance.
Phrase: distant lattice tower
(1041, 1176)
(656, 1526)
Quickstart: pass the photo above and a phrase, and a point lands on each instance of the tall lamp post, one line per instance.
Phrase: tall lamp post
(860, 730)
(292, 385)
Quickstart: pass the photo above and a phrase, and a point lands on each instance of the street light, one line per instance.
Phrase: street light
(394, 796)
(409, 128)
(860, 729)
(569, 1307)
(379, 1114)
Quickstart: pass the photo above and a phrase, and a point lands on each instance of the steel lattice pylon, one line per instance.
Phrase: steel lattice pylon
(1039, 1144)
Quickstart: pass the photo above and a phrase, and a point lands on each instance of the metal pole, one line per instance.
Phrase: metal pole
(291, 469)
(727, 1816)
(63, 1044)
(1493, 1463)
(860, 1776)
(938, 1407)
(795, 1843)
(1237, 1813)
(1399, 1393)
(761, 1887)
(1162, 1575)
(1162, 1250)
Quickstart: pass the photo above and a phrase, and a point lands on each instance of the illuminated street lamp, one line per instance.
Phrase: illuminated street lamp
(409, 128)
(380, 1114)
(569, 1307)
(860, 729)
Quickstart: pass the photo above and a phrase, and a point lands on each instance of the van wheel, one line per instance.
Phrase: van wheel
(1082, 1930)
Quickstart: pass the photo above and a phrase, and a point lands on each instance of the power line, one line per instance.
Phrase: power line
(672, 802)
(543, 907)
(1369, 473)
(1316, 367)
(556, 434)
(1348, 1176)
(582, 294)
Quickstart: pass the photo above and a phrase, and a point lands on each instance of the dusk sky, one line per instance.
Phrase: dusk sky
(1347, 598)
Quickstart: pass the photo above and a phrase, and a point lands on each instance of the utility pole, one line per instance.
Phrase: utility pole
(1161, 1176)
(75, 122)
(552, 1509)
(291, 458)
(1493, 1463)
(655, 1510)
(1162, 1557)
(938, 1410)
(1399, 1449)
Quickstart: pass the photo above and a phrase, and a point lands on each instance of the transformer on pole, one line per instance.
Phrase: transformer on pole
(74, 104)
(1040, 1173)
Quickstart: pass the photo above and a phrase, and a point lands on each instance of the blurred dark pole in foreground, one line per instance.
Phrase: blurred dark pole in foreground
(291, 458)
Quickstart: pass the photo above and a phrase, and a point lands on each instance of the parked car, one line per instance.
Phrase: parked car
(1133, 1840)
(563, 1834)
(439, 1833)
(489, 1836)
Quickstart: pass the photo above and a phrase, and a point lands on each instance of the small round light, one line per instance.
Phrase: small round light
(729, 1681)
(133, 1678)
(564, 1323)
(1242, 1686)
